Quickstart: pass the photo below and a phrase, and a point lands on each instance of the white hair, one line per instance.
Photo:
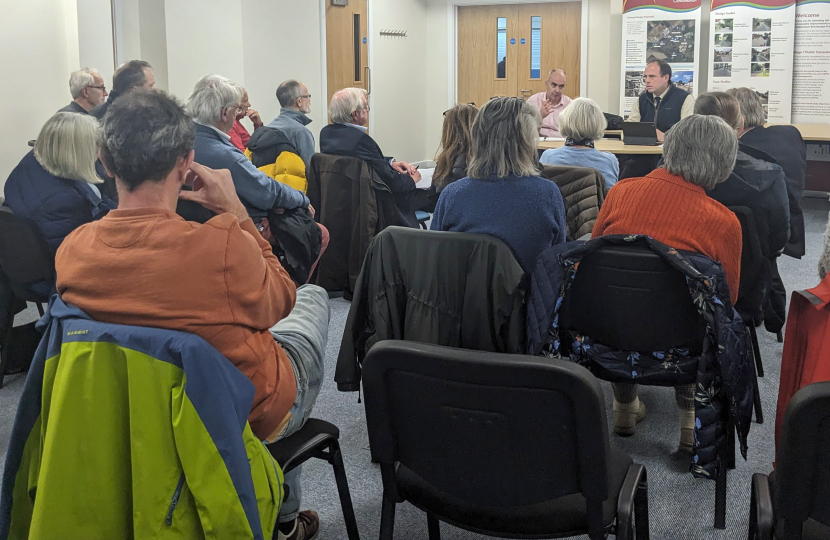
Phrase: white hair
(67, 147)
(81, 79)
(583, 119)
(344, 103)
(210, 95)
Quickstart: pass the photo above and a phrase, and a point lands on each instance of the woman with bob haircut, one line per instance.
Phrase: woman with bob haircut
(582, 123)
(503, 195)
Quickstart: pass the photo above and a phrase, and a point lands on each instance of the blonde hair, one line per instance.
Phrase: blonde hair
(504, 136)
(583, 119)
(67, 147)
(344, 102)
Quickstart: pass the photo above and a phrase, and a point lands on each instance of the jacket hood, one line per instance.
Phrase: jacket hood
(755, 171)
(295, 115)
(266, 138)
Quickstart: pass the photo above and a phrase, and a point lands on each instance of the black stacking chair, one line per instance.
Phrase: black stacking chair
(503, 445)
(794, 501)
(25, 259)
(750, 305)
(318, 439)
(628, 298)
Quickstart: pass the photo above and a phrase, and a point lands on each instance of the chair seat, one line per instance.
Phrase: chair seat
(420, 215)
(314, 432)
(555, 517)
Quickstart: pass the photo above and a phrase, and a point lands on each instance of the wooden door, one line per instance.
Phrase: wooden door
(347, 46)
(535, 37)
(484, 34)
(549, 38)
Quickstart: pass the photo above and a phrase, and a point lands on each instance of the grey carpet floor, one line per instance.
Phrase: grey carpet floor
(679, 505)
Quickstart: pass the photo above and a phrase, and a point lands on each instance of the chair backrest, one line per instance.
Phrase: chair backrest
(583, 192)
(751, 255)
(24, 255)
(488, 429)
(802, 475)
(629, 298)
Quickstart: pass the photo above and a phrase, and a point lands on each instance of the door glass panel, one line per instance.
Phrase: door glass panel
(357, 69)
(501, 47)
(536, 47)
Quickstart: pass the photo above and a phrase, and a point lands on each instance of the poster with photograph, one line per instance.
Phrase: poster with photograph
(662, 29)
(752, 46)
(811, 62)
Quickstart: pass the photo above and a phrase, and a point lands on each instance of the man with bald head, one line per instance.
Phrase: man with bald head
(551, 103)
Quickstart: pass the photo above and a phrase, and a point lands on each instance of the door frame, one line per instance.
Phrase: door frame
(324, 75)
(452, 31)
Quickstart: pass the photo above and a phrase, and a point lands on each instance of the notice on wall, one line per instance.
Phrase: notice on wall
(662, 29)
(811, 63)
(752, 46)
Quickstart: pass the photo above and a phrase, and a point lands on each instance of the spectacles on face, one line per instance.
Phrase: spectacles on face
(102, 88)
(305, 96)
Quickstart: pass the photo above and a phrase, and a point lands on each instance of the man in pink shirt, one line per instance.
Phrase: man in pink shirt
(551, 103)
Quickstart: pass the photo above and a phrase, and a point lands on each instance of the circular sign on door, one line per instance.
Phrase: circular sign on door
(512, 41)
(523, 41)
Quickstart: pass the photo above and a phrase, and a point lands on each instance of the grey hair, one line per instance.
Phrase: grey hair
(344, 102)
(701, 149)
(80, 79)
(67, 147)
(751, 107)
(504, 136)
(583, 119)
(556, 70)
(210, 95)
(288, 92)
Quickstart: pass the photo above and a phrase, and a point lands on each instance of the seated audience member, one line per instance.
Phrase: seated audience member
(55, 185)
(214, 106)
(755, 183)
(670, 205)
(143, 265)
(582, 123)
(295, 104)
(347, 136)
(133, 74)
(88, 91)
(783, 144)
(456, 148)
(503, 194)
(239, 135)
(551, 103)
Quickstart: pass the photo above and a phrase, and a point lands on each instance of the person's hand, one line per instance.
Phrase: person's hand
(547, 108)
(660, 135)
(311, 210)
(213, 189)
(400, 166)
(416, 176)
(254, 117)
(264, 229)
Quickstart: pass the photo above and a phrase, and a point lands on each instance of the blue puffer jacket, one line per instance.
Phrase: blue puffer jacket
(57, 205)
(723, 371)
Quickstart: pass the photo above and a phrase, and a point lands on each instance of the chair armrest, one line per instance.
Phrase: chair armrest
(761, 511)
(625, 500)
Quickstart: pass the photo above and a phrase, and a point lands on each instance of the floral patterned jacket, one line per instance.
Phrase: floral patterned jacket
(722, 372)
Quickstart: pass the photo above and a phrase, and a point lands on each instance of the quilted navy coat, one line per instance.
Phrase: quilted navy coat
(723, 371)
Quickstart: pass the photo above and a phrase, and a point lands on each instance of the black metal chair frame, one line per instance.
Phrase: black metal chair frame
(313, 442)
(632, 499)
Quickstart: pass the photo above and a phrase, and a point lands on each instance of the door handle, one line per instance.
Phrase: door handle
(368, 78)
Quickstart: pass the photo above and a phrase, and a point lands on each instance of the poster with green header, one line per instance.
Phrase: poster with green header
(664, 30)
(752, 46)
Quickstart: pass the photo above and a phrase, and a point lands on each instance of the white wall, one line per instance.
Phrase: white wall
(95, 44)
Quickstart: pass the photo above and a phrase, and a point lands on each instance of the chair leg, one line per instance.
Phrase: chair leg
(434, 527)
(780, 337)
(641, 509)
(40, 308)
(756, 396)
(756, 350)
(730, 444)
(720, 495)
(387, 518)
(343, 491)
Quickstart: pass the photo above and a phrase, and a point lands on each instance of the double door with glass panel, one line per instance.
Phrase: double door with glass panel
(508, 50)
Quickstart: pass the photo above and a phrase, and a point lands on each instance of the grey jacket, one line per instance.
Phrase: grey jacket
(293, 124)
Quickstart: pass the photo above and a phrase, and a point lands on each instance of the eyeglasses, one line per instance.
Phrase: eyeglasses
(102, 88)
(305, 96)
(237, 109)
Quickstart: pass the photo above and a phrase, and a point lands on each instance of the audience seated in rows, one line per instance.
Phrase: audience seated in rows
(582, 123)
(143, 265)
(239, 135)
(295, 104)
(670, 205)
(55, 184)
(755, 182)
(456, 147)
(88, 91)
(347, 136)
(133, 74)
(503, 195)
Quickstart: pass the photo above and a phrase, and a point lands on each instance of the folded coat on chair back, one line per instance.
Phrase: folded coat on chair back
(127, 432)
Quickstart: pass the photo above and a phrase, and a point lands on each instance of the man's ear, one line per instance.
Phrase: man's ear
(184, 164)
(104, 165)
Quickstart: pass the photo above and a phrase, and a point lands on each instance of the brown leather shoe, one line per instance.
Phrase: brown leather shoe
(306, 527)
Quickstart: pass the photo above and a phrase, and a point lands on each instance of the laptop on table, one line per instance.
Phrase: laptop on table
(640, 133)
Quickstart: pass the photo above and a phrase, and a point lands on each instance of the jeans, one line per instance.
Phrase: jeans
(303, 336)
